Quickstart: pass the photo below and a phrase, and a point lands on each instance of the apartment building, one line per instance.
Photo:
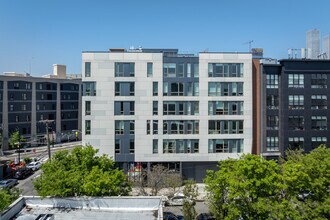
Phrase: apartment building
(151, 106)
(26, 101)
(294, 104)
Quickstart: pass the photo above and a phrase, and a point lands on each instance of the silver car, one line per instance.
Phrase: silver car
(34, 165)
(6, 184)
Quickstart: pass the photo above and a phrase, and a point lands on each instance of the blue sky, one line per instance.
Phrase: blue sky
(44, 32)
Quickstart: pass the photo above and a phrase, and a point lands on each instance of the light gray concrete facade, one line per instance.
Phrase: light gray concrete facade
(183, 108)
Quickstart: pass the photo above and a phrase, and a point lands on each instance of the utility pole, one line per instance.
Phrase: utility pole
(46, 122)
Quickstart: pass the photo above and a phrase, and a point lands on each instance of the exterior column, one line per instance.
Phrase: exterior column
(5, 134)
(58, 113)
(34, 111)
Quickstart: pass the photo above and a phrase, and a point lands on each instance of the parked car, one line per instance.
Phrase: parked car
(34, 165)
(6, 184)
(171, 216)
(176, 200)
(205, 216)
(23, 172)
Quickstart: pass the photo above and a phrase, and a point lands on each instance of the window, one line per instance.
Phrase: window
(148, 126)
(272, 144)
(87, 107)
(177, 89)
(272, 122)
(317, 141)
(117, 146)
(225, 108)
(149, 69)
(296, 123)
(155, 107)
(124, 108)
(296, 143)
(225, 88)
(196, 70)
(131, 146)
(119, 127)
(319, 81)
(155, 88)
(319, 123)
(16, 118)
(196, 88)
(23, 107)
(124, 69)
(225, 69)
(23, 96)
(296, 102)
(131, 127)
(169, 69)
(155, 126)
(169, 146)
(188, 69)
(155, 146)
(87, 127)
(11, 108)
(124, 88)
(226, 127)
(272, 102)
(225, 146)
(272, 81)
(181, 127)
(89, 89)
(180, 108)
(319, 102)
(296, 80)
(180, 72)
(87, 69)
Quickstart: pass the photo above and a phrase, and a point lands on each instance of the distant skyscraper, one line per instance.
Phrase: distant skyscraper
(313, 43)
(326, 46)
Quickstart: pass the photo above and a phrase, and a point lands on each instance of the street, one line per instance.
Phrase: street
(26, 185)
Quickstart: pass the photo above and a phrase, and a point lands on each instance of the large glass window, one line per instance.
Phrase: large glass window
(124, 89)
(169, 69)
(272, 144)
(226, 108)
(87, 69)
(196, 70)
(296, 102)
(296, 80)
(155, 127)
(124, 108)
(181, 127)
(180, 108)
(124, 69)
(225, 127)
(117, 146)
(319, 102)
(225, 146)
(180, 146)
(272, 122)
(272, 81)
(317, 141)
(119, 127)
(225, 69)
(296, 122)
(319, 122)
(225, 88)
(131, 146)
(319, 81)
(272, 101)
(89, 88)
(296, 143)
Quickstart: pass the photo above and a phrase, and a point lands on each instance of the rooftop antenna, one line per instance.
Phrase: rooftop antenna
(250, 43)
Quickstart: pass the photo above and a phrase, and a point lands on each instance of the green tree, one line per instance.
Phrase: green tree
(307, 177)
(7, 197)
(246, 188)
(190, 191)
(15, 138)
(81, 172)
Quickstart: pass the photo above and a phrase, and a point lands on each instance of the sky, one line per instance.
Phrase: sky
(35, 34)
